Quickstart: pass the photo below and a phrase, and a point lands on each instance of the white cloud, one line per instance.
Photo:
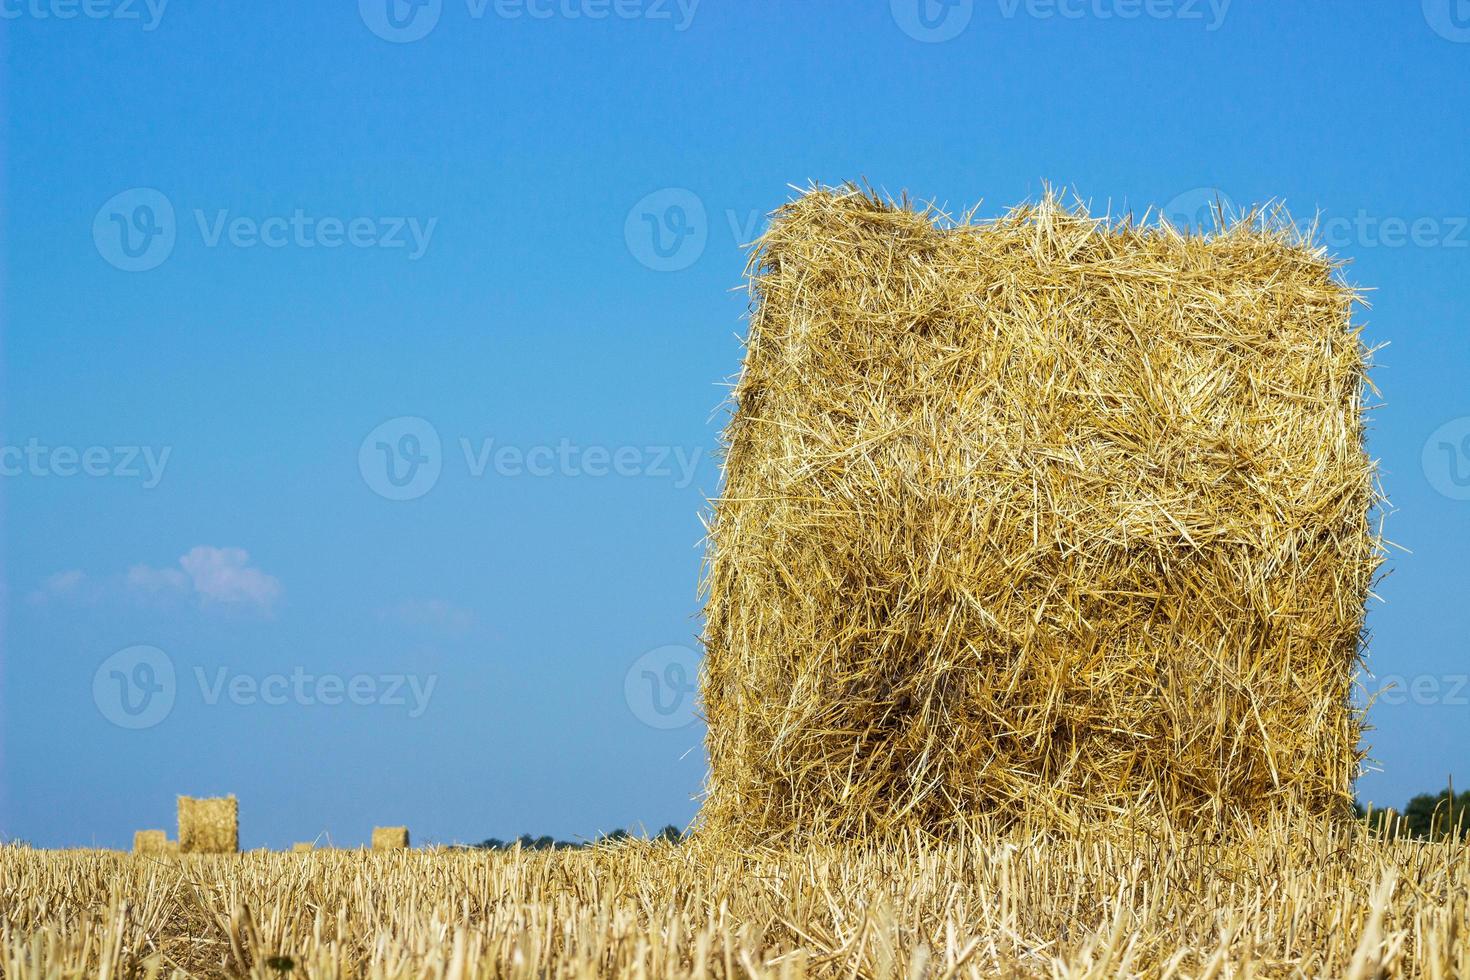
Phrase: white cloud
(218, 576)
(225, 575)
(62, 585)
(146, 579)
(436, 613)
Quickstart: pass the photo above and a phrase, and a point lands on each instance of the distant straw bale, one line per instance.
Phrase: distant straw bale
(209, 826)
(302, 847)
(390, 838)
(1049, 516)
(150, 842)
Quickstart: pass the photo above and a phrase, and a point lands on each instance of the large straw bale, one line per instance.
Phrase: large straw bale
(150, 842)
(390, 838)
(209, 826)
(1048, 516)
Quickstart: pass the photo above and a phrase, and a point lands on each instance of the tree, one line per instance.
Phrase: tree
(1439, 816)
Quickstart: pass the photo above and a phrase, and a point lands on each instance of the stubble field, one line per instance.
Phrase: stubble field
(1277, 904)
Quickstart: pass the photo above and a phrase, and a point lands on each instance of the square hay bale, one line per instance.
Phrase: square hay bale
(1046, 517)
(209, 826)
(150, 842)
(302, 847)
(390, 838)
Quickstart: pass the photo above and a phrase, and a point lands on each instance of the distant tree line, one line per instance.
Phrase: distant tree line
(1428, 816)
(526, 842)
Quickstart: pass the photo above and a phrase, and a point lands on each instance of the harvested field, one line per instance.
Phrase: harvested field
(1278, 905)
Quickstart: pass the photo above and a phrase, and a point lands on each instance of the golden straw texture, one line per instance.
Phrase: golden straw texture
(209, 826)
(1288, 902)
(1049, 515)
(390, 838)
(150, 842)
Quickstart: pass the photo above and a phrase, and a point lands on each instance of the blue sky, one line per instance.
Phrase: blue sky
(256, 253)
